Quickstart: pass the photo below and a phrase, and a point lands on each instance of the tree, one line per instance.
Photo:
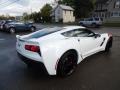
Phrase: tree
(82, 7)
(25, 16)
(7, 17)
(67, 2)
(36, 17)
(45, 12)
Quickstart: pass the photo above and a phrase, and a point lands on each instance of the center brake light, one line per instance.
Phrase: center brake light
(32, 48)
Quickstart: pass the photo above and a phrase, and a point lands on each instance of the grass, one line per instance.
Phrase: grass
(112, 24)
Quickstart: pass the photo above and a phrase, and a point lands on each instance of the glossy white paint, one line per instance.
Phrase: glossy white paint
(54, 45)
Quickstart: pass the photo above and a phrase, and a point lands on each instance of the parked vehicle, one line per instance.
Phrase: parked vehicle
(3, 23)
(60, 49)
(92, 22)
(14, 26)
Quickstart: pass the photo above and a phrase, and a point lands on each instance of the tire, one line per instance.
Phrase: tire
(67, 64)
(12, 30)
(32, 29)
(108, 46)
(29, 64)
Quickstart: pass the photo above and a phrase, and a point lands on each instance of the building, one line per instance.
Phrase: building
(109, 10)
(62, 13)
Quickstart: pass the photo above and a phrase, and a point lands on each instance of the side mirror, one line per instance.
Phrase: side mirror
(97, 35)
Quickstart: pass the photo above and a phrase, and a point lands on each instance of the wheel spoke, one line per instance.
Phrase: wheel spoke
(69, 64)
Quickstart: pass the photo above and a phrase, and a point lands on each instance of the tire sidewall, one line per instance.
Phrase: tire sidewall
(32, 29)
(107, 48)
(12, 30)
(61, 62)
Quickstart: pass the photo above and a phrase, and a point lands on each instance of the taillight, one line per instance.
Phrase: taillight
(109, 35)
(32, 48)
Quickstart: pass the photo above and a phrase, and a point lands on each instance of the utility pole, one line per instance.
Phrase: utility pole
(31, 9)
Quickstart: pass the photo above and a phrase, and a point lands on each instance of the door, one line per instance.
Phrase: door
(90, 45)
(89, 42)
(21, 26)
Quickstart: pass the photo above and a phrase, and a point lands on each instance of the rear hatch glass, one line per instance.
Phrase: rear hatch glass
(44, 32)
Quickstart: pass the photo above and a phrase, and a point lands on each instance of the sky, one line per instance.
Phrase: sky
(18, 7)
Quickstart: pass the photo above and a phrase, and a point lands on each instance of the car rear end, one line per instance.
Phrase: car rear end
(36, 47)
(29, 49)
(29, 52)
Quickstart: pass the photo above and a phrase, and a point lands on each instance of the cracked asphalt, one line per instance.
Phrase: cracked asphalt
(97, 72)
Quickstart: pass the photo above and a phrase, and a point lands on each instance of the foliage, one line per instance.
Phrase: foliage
(45, 12)
(35, 16)
(43, 16)
(82, 7)
(3, 17)
(67, 2)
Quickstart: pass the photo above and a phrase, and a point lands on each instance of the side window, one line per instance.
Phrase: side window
(90, 19)
(79, 33)
(97, 19)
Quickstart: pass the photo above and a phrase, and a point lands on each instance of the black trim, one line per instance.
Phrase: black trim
(103, 41)
(110, 41)
(21, 40)
(32, 62)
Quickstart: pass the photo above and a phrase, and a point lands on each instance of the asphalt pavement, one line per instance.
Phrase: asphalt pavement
(97, 72)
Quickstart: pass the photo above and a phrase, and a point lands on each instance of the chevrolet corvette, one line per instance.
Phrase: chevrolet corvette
(61, 49)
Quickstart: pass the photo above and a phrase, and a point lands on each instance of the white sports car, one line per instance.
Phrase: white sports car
(60, 49)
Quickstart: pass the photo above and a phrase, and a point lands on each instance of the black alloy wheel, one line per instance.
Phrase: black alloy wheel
(67, 64)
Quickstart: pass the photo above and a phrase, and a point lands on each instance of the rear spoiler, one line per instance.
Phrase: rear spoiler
(24, 40)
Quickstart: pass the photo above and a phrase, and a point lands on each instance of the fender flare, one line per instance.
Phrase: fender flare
(63, 54)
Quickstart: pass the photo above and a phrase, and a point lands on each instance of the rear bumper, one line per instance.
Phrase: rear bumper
(34, 63)
(32, 56)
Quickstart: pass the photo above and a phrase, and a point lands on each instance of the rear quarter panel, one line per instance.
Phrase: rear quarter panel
(53, 50)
